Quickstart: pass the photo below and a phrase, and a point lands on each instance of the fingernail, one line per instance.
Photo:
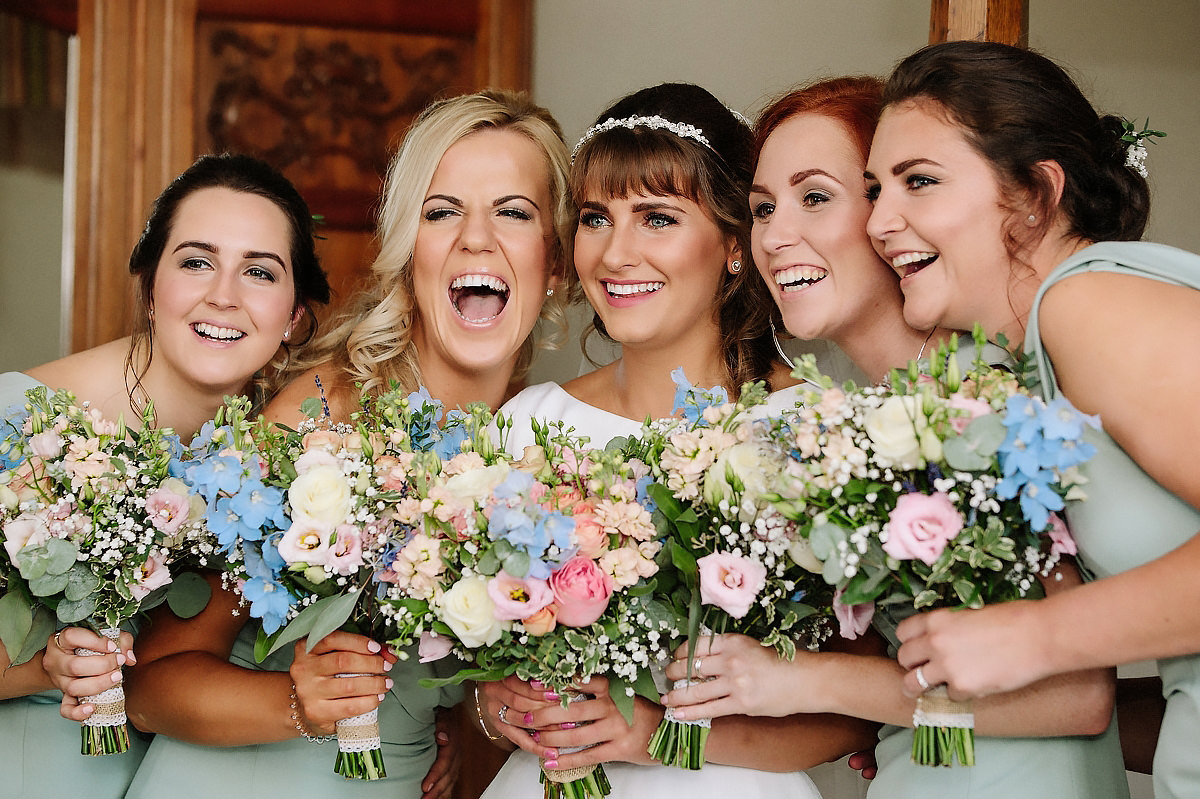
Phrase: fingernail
(443, 738)
(388, 683)
(585, 681)
(551, 764)
(120, 659)
(373, 646)
(387, 665)
(568, 725)
(537, 685)
(551, 754)
(678, 713)
(550, 695)
(536, 736)
(116, 676)
(527, 718)
(382, 697)
(129, 656)
(112, 647)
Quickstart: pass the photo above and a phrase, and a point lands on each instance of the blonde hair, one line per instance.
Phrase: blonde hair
(372, 341)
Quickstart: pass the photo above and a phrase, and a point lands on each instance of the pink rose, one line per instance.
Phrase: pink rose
(731, 582)
(327, 440)
(167, 510)
(346, 556)
(920, 526)
(312, 459)
(153, 574)
(433, 647)
(973, 408)
(1061, 541)
(589, 533)
(542, 622)
(518, 598)
(854, 620)
(27, 530)
(581, 591)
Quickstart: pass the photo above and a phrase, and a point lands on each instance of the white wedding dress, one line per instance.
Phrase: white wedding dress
(518, 779)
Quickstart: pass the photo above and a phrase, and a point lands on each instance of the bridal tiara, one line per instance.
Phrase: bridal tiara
(680, 129)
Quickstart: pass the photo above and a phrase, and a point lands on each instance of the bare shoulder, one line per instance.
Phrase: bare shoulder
(94, 374)
(781, 377)
(327, 377)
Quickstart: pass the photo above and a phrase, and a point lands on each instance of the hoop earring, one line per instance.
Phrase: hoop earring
(735, 267)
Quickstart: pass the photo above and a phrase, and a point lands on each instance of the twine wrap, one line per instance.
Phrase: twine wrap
(935, 708)
(110, 703)
(359, 733)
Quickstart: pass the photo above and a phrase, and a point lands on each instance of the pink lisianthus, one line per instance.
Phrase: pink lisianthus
(920, 526)
(152, 574)
(314, 458)
(972, 407)
(346, 555)
(167, 509)
(853, 620)
(306, 541)
(47, 444)
(518, 598)
(1061, 540)
(581, 591)
(731, 582)
(433, 647)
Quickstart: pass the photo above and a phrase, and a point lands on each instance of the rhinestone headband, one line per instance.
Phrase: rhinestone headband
(680, 129)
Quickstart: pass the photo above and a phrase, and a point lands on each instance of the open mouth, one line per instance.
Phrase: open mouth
(215, 333)
(478, 298)
(912, 262)
(796, 278)
(625, 290)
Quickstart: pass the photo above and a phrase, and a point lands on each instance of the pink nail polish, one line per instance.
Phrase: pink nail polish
(388, 683)
(116, 676)
(568, 725)
(527, 718)
(551, 764)
(536, 736)
(536, 685)
(550, 695)
(373, 646)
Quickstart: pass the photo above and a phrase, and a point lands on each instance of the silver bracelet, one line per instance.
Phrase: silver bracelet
(299, 724)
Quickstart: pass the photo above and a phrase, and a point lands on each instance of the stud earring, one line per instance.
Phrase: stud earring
(1030, 219)
(549, 292)
(735, 267)
(287, 334)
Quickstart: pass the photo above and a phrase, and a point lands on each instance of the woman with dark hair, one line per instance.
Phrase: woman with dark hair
(1002, 197)
(472, 234)
(226, 275)
(810, 241)
(662, 253)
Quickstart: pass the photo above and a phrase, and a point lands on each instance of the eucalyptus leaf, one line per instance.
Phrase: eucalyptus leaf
(188, 594)
(824, 538)
(73, 612)
(488, 564)
(16, 620)
(48, 584)
(517, 564)
(311, 407)
(333, 616)
(80, 583)
(44, 623)
(61, 555)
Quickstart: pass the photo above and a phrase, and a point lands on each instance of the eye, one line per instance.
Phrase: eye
(515, 213)
(438, 214)
(762, 211)
(815, 198)
(261, 273)
(659, 220)
(872, 192)
(919, 181)
(195, 263)
(592, 219)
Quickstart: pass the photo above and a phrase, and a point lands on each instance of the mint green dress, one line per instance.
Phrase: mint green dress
(1128, 519)
(39, 749)
(1069, 767)
(299, 769)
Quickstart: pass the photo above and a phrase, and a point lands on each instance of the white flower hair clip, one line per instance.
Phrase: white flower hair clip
(1135, 145)
(680, 129)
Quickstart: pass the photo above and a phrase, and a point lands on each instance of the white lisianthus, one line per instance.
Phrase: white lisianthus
(470, 613)
(741, 468)
(801, 553)
(893, 428)
(321, 494)
(474, 485)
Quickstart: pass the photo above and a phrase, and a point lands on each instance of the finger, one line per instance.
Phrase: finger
(68, 639)
(90, 686)
(347, 687)
(347, 642)
(696, 693)
(72, 709)
(913, 626)
(914, 653)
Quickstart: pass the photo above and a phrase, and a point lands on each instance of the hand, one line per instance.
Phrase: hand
(742, 677)
(974, 652)
(865, 763)
(598, 725)
(443, 774)
(84, 675)
(323, 697)
(507, 706)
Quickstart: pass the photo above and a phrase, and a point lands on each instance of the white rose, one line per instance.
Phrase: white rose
(474, 485)
(9, 498)
(470, 613)
(25, 530)
(893, 428)
(801, 553)
(321, 494)
(741, 466)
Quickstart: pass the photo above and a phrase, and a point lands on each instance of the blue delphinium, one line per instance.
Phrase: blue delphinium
(693, 401)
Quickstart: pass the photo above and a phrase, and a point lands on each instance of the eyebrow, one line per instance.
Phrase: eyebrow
(798, 178)
(248, 254)
(653, 205)
(499, 201)
(904, 166)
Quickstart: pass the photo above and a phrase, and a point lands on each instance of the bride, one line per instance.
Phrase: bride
(661, 250)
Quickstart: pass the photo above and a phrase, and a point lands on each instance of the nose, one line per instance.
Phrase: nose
(782, 230)
(885, 219)
(223, 289)
(476, 233)
(619, 250)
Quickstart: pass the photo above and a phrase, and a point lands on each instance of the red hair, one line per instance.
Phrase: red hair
(854, 101)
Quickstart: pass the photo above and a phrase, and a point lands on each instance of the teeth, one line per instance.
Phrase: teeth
(484, 281)
(911, 258)
(221, 333)
(795, 278)
(630, 289)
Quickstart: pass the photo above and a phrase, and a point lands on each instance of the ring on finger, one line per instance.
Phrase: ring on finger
(58, 641)
(919, 673)
(502, 714)
(696, 667)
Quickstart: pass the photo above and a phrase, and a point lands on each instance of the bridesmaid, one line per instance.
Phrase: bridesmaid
(810, 240)
(226, 274)
(661, 249)
(472, 237)
(1004, 198)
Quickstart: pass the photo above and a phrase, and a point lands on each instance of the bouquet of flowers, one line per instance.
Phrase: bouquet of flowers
(90, 515)
(303, 524)
(936, 491)
(732, 562)
(537, 568)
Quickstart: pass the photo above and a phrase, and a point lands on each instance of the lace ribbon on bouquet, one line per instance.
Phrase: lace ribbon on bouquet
(360, 749)
(944, 730)
(105, 731)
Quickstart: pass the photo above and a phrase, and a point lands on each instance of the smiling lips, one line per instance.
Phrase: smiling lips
(628, 290)
(215, 333)
(478, 298)
(796, 278)
(910, 263)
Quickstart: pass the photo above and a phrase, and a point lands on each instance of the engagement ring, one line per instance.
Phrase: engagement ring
(921, 681)
(502, 714)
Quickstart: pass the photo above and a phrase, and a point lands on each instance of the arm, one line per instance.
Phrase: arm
(57, 666)
(859, 682)
(28, 678)
(1142, 378)
(184, 685)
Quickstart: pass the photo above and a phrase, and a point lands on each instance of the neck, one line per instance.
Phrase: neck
(881, 340)
(642, 384)
(455, 389)
(181, 406)
(1054, 248)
